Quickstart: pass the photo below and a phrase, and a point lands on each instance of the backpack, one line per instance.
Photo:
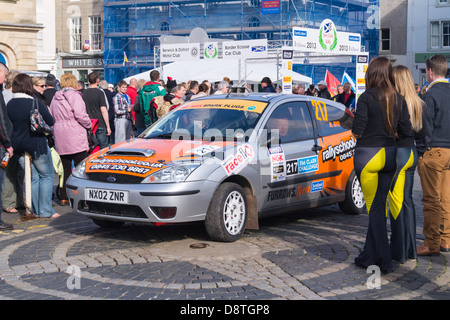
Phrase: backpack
(146, 95)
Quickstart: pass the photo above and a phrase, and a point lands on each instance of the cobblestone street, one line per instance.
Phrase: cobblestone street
(307, 255)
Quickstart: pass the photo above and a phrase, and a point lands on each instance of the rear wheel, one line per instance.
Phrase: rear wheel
(354, 202)
(227, 213)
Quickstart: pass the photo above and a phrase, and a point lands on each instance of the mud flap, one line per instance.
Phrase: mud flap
(252, 209)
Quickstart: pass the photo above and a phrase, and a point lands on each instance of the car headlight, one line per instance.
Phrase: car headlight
(79, 171)
(177, 173)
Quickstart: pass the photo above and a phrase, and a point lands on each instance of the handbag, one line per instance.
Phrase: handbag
(38, 123)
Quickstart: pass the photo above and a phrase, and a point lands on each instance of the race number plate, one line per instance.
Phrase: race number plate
(112, 196)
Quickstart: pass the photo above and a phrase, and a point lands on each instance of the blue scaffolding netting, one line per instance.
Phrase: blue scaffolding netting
(134, 27)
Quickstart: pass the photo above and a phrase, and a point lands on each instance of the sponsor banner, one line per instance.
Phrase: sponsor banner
(241, 105)
(326, 40)
(211, 50)
(235, 163)
(270, 6)
(277, 164)
(317, 186)
(246, 49)
(308, 164)
(179, 52)
(302, 165)
(362, 63)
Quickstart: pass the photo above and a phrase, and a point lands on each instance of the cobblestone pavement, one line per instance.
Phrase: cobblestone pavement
(306, 255)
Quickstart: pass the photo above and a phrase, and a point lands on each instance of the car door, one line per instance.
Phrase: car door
(333, 123)
(289, 162)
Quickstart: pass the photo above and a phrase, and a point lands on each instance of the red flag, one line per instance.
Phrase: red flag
(332, 83)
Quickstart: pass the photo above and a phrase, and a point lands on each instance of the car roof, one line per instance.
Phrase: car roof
(262, 97)
(269, 98)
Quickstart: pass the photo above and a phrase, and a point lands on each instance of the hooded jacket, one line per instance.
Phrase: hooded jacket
(436, 118)
(149, 91)
(71, 121)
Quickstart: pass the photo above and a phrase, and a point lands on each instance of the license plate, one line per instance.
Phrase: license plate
(112, 196)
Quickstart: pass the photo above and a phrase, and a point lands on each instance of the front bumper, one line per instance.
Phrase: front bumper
(191, 200)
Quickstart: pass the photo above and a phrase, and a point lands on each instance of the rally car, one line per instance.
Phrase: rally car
(226, 160)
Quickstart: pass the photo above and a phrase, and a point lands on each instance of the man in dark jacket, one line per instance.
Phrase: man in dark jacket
(347, 96)
(267, 86)
(5, 132)
(51, 84)
(433, 147)
(193, 90)
(323, 91)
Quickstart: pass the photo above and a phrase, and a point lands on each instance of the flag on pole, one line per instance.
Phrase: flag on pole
(125, 60)
(332, 83)
(347, 78)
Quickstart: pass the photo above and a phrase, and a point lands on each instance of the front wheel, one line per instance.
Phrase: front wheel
(354, 202)
(227, 213)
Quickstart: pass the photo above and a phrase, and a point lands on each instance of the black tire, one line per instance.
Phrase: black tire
(227, 213)
(354, 203)
(107, 223)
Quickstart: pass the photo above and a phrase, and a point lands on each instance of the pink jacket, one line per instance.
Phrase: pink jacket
(71, 121)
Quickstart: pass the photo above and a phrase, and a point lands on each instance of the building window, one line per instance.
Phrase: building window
(254, 22)
(75, 34)
(440, 34)
(446, 34)
(164, 26)
(95, 23)
(385, 39)
(442, 2)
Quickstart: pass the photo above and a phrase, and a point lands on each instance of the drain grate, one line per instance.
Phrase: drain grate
(199, 245)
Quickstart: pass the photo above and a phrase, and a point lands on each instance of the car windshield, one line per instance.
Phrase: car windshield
(219, 124)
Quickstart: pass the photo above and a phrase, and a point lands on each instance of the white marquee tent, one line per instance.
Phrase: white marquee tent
(216, 70)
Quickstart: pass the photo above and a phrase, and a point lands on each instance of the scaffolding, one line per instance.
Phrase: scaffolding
(134, 27)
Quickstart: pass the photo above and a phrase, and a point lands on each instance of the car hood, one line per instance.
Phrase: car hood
(141, 157)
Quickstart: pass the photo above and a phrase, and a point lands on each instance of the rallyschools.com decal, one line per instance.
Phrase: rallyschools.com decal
(123, 165)
(344, 150)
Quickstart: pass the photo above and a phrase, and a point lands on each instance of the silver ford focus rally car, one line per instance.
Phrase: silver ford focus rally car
(224, 160)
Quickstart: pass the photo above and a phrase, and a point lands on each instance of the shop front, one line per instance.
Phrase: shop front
(82, 66)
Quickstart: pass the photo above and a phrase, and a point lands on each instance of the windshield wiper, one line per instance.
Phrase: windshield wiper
(166, 135)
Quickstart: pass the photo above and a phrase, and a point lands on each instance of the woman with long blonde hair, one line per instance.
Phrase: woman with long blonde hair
(401, 205)
(381, 113)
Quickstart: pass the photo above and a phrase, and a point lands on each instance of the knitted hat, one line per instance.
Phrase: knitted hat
(170, 84)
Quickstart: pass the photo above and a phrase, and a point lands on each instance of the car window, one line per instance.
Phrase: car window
(293, 122)
(329, 118)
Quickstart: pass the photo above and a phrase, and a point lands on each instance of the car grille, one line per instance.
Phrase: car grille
(118, 178)
(112, 209)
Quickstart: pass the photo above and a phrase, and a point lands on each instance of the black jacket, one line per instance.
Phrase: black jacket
(23, 139)
(269, 88)
(369, 121)
(188, 95)
(324, 94)
(436, 118)
(341, 98)
(5, 123)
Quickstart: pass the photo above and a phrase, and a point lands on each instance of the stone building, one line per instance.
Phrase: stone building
(79, 37)
(18, 30)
